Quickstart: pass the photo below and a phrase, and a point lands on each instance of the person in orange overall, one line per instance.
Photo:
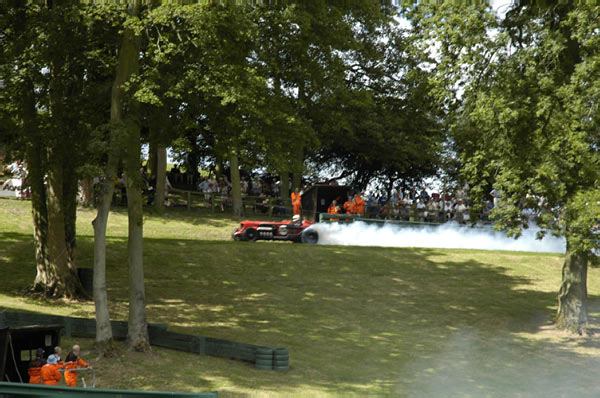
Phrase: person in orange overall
(73, 361)
(359, 205)
(296, 202)
(348, 207)
(50, 374)
(35, 367)
(334, 209)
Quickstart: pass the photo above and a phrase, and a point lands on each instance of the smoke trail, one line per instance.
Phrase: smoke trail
(448, 236)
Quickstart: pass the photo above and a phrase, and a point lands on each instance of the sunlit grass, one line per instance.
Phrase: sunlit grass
(357, 320)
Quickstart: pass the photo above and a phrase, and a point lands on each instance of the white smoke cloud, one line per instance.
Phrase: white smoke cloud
(447, 236)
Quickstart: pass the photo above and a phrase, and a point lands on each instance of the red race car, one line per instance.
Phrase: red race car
(272, 230)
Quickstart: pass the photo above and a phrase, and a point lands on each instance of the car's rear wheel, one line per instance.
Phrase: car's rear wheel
(250, 234)
(310, 237)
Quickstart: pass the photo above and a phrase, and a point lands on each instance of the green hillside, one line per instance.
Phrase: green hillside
(357, 320)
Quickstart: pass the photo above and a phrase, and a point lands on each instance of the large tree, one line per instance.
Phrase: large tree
(53, 72)
(526, 124)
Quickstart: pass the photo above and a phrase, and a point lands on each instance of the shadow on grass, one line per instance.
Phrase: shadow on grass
(356, 320)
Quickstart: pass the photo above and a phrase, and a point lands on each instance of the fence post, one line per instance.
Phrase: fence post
(189, 200)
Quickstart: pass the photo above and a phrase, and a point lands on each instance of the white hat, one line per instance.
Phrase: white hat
(296, 217)
(52, 359)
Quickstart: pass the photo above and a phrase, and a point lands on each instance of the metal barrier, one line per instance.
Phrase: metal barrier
(77, 370)
(14, 390)
(329, 217)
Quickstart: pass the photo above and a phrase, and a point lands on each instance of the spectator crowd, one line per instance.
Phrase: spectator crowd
(416, 205)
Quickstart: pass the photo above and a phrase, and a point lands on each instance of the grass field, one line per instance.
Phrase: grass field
(357, 320)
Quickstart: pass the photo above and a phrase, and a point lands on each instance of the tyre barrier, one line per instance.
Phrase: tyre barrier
(281, 359)
(263, 357)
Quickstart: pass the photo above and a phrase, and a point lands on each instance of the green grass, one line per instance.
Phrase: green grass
(357, 320)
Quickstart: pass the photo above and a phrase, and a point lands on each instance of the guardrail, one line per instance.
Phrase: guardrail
(413, 217)
(77, 370)
(12, 390)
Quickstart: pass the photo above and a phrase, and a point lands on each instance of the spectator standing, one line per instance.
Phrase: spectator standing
(212, 187)
(421, 210)
(461, 209)
(432, 211)
(35, 367)
(296, 202)
(203, 187)
(73, 361)
(56, 355)
(224, 188)
(448, 209)
(359, 205)
(334, 209)
(256, 188)
(347, 206)
(50, 373)
(495, 194)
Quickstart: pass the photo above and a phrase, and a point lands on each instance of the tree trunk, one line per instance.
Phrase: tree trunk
(104, 333)
(87, 190)
(296, 181)
(236, 191)
(152, 157)
(61, 281)
(284, 185)
(39, 211)
(298, 168)
(572, 311)
(218, 167)
(69, 203)
(137, 333)
(161, 176)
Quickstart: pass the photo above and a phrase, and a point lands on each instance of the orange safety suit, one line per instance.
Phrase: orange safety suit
(50, 374)
(359, 205)
(348, 207)
(296, 203)
(71, 377)
(334, 210)
(35, 371)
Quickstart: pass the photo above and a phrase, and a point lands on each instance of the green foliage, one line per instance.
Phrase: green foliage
(525, 121)
(57, 64)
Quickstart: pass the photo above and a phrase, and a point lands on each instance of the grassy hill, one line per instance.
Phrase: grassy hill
(357, 320)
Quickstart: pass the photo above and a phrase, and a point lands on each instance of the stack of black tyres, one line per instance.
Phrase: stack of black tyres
(264, 358)
(273, 358)
(281, 359)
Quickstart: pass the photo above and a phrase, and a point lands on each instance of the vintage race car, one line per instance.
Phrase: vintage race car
(271, 230)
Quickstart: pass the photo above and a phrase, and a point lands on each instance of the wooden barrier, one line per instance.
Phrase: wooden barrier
(247, 200)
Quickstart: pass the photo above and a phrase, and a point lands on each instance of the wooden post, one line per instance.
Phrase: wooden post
(189, 200)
